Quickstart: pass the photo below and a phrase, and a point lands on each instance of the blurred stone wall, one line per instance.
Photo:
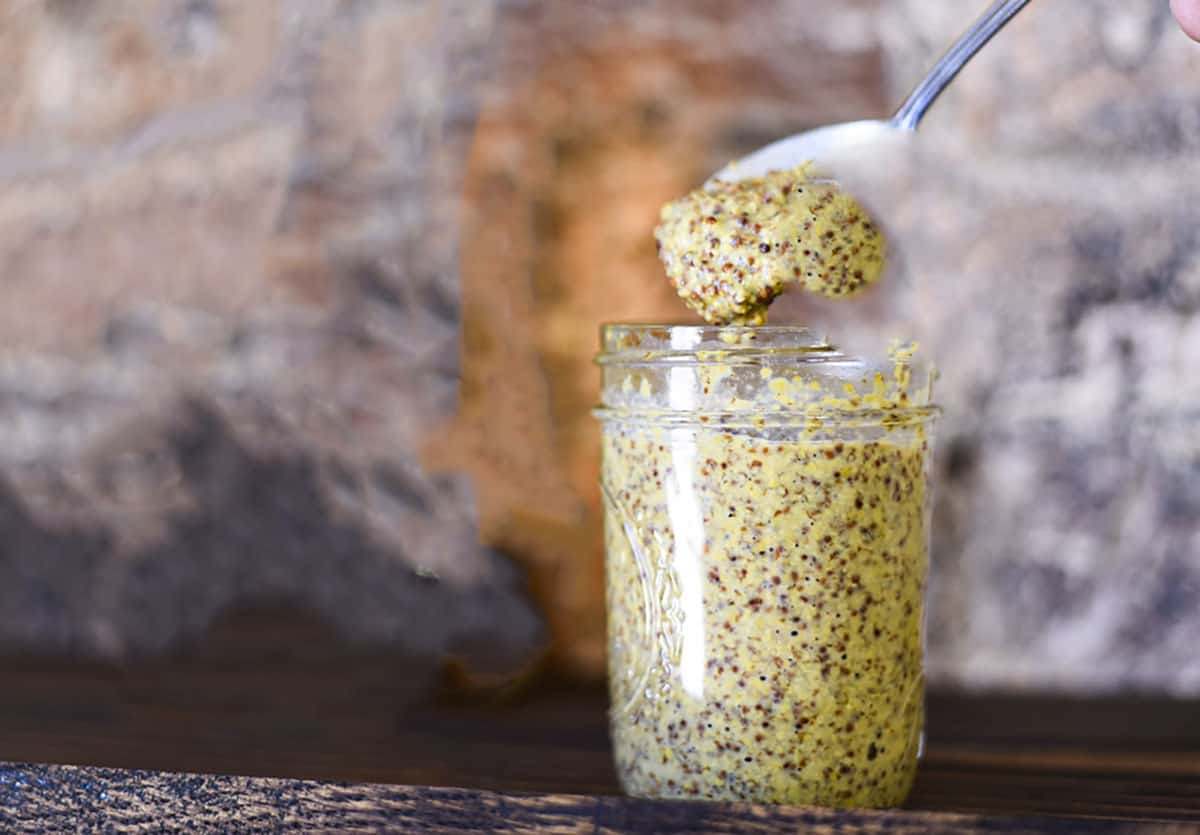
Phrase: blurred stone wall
(230, 324)
(1055, 240)
(301, 299)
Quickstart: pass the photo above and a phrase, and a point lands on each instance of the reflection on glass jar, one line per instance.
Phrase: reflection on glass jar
(766, 525)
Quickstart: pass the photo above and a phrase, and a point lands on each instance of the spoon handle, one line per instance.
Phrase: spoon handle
(943, 72)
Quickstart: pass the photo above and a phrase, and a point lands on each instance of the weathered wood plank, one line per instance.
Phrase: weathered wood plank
(71, 799)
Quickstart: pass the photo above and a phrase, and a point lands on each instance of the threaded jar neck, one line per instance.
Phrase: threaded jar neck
(772, 375)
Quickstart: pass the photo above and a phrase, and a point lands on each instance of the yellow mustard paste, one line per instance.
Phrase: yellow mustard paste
(729, 248)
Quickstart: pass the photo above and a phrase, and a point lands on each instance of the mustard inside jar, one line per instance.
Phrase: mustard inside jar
(766, 503)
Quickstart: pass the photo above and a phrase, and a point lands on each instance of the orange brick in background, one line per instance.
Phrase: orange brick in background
(598, 119)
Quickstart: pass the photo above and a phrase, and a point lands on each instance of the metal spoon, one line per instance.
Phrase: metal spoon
(822, 144)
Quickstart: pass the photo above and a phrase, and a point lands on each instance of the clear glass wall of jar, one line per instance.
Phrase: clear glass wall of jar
(766, 527)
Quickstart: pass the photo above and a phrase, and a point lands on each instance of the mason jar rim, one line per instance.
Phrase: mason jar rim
(636, 348)
(716, 421)
(637, 344)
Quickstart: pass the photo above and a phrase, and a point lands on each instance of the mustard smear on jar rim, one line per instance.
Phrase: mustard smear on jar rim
(729, 248)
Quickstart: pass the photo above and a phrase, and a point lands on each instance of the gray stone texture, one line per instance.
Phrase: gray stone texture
(1054, 240)
(300, 300)
(230, 323)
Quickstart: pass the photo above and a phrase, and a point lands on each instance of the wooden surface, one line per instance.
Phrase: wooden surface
(271, 697)
(68, 799)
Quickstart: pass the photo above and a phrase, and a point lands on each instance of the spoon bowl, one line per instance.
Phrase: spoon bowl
(825, 147)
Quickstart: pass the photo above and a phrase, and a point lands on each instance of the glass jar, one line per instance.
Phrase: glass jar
(766, 529)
